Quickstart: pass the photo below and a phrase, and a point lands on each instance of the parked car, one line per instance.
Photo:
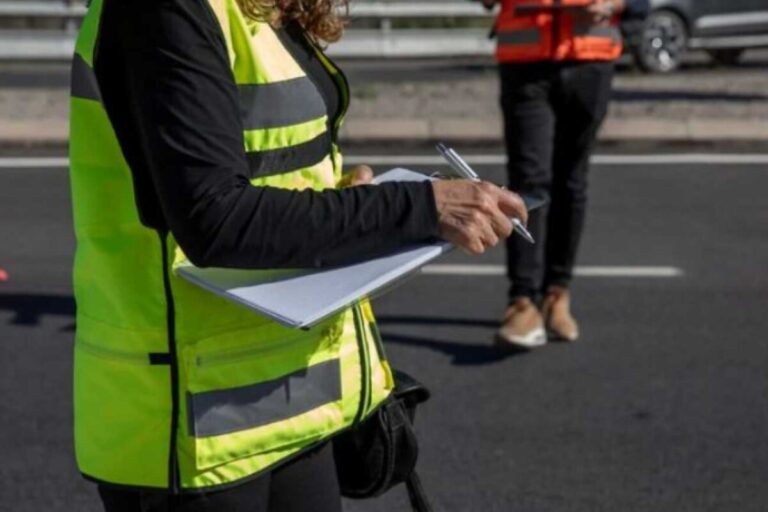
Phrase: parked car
(723, 28)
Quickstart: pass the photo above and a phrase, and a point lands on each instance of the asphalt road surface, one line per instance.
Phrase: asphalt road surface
(663, 406)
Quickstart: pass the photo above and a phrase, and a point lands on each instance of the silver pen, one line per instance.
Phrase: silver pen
(462, 168)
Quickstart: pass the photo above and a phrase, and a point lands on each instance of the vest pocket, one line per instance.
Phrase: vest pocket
(284, 387)
(122, 411)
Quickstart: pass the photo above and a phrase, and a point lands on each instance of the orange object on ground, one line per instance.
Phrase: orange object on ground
(3, 275)
(554, 30)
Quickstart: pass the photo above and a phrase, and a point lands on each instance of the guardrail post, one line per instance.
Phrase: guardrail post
(70, 25)
(385, 25)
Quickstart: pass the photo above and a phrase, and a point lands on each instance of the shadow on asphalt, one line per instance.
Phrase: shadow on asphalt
(462, 354)
(429, 320)
(29, 309)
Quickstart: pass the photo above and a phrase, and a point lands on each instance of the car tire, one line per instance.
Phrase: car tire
(726, 56)
(662, 42)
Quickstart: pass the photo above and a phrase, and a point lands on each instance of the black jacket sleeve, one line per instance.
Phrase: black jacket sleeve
(170, 95)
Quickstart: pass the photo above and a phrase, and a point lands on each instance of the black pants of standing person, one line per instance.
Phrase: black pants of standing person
(307, 484)
(552, 112)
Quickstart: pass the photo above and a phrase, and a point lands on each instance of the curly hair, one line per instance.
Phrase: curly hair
(321, 19)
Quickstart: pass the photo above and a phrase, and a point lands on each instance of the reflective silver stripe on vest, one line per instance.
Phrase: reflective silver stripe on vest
(280, 103)
(84, 84)
(597, 31)
(291, 158)
(522, 36)
(215, 413)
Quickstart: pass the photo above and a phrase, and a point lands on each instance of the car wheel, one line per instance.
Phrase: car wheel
(663, 41)
(726, 56)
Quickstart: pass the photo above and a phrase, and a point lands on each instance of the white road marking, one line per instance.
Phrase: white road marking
(34, 163)
(583, 271)
(475, 159)
(658, 159)
(684, 158)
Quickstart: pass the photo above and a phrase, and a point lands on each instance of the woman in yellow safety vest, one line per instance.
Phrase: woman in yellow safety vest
(206, 131)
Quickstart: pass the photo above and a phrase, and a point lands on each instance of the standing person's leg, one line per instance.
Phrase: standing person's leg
(250, 496)
(581, 102)
(528, 133)
(305, 484)
(529, 127)
(311, 485)
(119, 500)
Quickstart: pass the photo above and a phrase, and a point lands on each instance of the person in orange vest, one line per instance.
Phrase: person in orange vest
(556, 60)
(3, 275)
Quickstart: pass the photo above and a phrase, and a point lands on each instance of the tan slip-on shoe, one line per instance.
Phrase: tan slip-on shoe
(523, 326)
(556, 309)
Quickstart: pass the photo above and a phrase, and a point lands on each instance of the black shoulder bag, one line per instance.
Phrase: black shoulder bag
(381, 452)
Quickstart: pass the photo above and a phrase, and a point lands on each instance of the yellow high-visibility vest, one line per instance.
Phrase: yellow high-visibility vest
(176, 388)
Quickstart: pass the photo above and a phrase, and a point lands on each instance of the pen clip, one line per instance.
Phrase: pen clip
(456, 163)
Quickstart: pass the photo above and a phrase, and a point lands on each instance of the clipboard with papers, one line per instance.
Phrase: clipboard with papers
(302, 298)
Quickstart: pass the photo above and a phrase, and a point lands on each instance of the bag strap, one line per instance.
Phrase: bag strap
(419, 500)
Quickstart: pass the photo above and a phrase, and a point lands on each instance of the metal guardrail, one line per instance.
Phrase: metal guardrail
(74, 8)
(389, 42)
(32, 9)
(383, 41)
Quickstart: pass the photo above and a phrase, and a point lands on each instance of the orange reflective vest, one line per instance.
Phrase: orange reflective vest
(554, 31)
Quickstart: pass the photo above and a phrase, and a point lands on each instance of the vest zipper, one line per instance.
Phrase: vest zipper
(341, 80)
(365, 365)
(379, 343)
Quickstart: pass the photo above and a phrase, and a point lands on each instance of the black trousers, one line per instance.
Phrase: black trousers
(307, 484)
(552, 112)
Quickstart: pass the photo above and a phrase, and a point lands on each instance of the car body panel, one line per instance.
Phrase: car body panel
(744, 20)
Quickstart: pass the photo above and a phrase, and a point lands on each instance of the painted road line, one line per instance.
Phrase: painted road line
(583, 271)
(684, 158)
(476, 159)
(34, 163)
(658, 159)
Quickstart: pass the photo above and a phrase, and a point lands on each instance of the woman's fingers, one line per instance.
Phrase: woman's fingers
(357, 175)
(468, 230)
(496, 203)
(512, 205)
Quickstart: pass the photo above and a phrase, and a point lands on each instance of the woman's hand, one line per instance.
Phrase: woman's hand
(476, 215)
(357, 175)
